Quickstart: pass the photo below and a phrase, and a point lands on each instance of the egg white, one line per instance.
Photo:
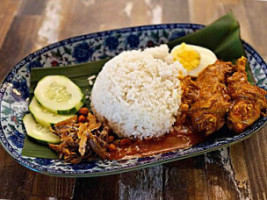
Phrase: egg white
(207, 57)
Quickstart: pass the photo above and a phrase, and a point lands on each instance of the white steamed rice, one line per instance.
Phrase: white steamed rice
(139, 93)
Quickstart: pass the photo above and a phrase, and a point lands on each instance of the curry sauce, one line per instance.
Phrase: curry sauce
(169, 142)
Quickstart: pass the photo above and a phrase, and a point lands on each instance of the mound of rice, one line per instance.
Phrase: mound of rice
(138, 93)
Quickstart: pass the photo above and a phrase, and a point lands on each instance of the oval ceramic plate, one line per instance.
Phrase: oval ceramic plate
(14, 96)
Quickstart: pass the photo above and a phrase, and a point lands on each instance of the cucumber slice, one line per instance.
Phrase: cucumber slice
(43, 116)
(39, 132)
(59, 94)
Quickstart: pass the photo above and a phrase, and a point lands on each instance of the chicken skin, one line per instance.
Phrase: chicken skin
(207, 113)
(249, 101)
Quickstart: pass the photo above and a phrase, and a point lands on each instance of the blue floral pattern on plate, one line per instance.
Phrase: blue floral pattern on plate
(14, 96)
(82, 52)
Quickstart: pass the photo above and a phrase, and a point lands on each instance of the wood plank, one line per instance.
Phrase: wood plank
(185, 179)
(80, 17)
(19, 42)
(220, 176)
(256, 12)
(32, 7)
(255, 151)
(48, 31)
(11, 178)
(17, 182)
(97, 188)
(44, 186)
(204, 177)
(142, 184)
(239, 171)
(6, 159)
(176, 11)
(132, 13)
(204, 11)
(7, 8)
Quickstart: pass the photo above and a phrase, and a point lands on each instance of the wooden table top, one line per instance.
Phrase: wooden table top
(238, 172)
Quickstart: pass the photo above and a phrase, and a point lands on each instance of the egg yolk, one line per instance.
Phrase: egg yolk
(187, 56)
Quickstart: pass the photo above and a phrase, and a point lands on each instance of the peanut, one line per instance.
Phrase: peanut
(111, 138)
(84, 111)
(82, 118)
(112, 147)
(125, 142)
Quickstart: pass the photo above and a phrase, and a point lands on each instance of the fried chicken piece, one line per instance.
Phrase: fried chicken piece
(207, 113)
(190, 92)
(249, 101)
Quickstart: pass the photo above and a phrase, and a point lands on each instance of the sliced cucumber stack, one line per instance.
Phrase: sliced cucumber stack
(59, 94)
(39, 132)
(44, 116)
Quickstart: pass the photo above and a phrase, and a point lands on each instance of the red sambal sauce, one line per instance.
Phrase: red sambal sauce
(169, 142)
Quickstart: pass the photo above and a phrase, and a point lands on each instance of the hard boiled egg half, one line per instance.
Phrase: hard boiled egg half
(193, 58)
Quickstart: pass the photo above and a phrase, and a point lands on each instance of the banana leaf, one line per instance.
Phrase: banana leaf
(222, 37)
(32, 148)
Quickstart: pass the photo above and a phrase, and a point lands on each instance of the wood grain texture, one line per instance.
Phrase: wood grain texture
(18, 43)
(7, 8)
(20, 183)
(32, 7)
(184, 179)
(255, 154)
(97, 188)
(238, 172)
(142, 184)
